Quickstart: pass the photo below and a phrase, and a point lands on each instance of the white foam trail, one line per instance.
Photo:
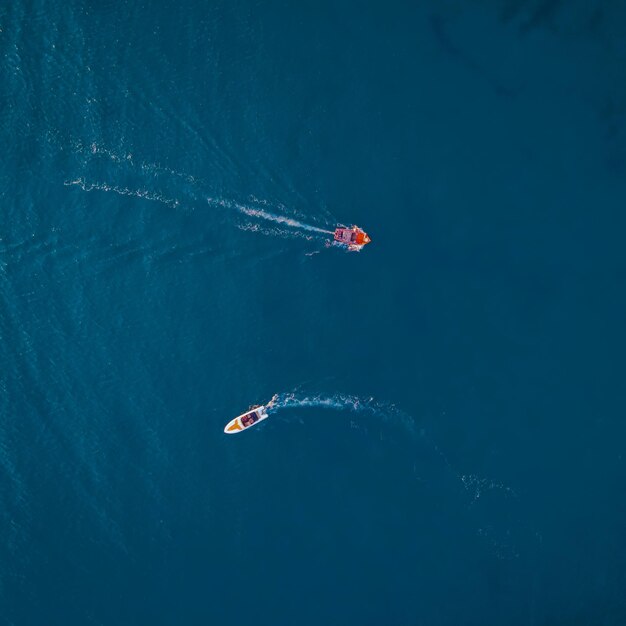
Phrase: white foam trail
(123, 191)
(281, 219)
(266, 215)
(122, 156)
(298, 215)
(342, 402)
(274, 232)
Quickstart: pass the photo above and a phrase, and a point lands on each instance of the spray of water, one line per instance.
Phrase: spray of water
(267, 215)
(275, 232)
(281, 219)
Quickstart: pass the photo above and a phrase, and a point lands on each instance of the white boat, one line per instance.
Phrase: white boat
(252, 416)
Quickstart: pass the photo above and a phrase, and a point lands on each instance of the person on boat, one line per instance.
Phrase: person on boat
(248, 420)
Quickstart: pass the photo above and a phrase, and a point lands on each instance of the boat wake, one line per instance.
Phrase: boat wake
(471, 489)
(292, 227)
(284, 227)
(123, 191)
(270, 231)
(281, 219)
(342, 402)
(256, 215)
(120, 157)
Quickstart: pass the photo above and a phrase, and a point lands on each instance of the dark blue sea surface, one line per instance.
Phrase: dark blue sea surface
(448, 443)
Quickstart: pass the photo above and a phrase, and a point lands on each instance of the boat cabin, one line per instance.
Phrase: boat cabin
(250, 418)
(345, 235)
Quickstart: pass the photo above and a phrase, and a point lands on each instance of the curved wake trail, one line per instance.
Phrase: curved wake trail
(470, 486)
(341, 402)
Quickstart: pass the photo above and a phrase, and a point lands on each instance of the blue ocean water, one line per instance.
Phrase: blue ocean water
(448, 446)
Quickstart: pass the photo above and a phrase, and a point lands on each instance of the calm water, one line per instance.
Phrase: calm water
(449, 443)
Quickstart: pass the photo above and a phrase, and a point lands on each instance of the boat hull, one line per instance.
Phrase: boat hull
(354, 238)
(246, 420)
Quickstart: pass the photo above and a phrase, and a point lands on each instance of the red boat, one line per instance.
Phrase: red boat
(355, 238)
